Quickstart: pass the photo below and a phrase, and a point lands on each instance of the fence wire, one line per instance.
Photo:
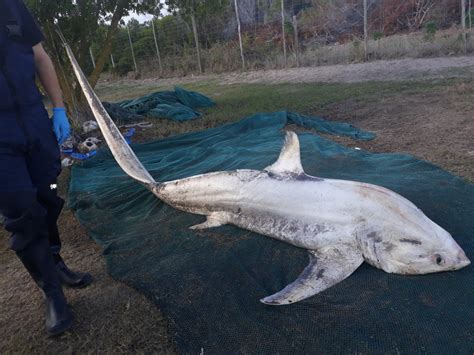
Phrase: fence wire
(290, 33)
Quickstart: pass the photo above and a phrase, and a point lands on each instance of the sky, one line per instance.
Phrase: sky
(141, 18)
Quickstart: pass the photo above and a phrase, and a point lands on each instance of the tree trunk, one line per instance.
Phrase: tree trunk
(106, 47)
(63, 75)
(81, 53)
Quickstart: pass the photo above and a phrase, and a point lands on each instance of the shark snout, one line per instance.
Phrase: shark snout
(457, 260)
(462, 260)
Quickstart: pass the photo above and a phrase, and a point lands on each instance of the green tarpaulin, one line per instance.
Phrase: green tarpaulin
(178, 105)
(208, 283)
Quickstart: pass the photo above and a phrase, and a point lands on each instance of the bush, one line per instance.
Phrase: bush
(430, 31)
(377, 35)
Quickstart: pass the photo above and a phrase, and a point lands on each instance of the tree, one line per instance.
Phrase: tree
(393, 16)
(80, 21)
(122, 8)
(196, 9)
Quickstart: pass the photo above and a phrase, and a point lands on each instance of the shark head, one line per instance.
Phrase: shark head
(421, 249)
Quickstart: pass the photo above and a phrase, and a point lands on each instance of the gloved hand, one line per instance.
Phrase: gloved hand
(61, 126)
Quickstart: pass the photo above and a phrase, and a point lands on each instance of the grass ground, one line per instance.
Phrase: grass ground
(429, 119)
(432, 120)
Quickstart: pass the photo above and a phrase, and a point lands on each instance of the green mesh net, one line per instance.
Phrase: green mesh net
(208, 283)
(177, 105)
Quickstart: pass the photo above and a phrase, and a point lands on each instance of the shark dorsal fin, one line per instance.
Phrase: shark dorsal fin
(289, 161)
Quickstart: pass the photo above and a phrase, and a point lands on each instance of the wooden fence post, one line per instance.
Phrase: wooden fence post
(470, 15)
(366, 33)
(240, 34)
(92, 57)
(156, 46)
(112, 60)
(283, 31)
(196, 39)
(463, 24)
(297, 41)
(131, 47)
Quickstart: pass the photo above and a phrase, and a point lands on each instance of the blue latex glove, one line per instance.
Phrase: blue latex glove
(61, 126)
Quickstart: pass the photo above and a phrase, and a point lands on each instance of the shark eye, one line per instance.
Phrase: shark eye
(439, 259)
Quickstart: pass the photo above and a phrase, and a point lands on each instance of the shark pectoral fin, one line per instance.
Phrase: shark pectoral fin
(289, 161)
(213, 220)
(326, 268)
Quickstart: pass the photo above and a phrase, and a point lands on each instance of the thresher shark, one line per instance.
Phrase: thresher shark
(341, 223)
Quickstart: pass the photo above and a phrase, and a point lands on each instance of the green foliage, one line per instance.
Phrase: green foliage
(358, 50)
(430, 30)
(174, 35)
(289, 29)
(200, 8)
(273, 9)
(84, 22)
(377, 35)
(80, 19)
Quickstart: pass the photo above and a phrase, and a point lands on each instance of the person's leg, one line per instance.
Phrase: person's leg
(44, 167)
(38, 260)
(25, 218)
(53, 204)
(43, 162)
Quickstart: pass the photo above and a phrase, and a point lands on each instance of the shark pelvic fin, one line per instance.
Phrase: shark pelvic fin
(327, 267)
(213, 220)
(289, 161)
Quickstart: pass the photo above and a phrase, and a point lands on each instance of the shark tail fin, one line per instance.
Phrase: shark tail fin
(121, 151)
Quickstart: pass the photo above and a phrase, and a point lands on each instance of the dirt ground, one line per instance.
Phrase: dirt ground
(393, 70)
(384, 70)
(437, 126)
(110, 317)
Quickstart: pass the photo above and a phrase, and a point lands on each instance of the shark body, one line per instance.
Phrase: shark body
(341, 223)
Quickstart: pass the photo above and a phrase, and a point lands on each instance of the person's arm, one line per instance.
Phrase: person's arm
(49, 79)
(47, 75)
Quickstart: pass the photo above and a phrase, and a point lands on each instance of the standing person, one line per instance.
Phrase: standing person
(30, 160)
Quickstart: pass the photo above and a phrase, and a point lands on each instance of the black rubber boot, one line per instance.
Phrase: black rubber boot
(71, 278)
(39, 262)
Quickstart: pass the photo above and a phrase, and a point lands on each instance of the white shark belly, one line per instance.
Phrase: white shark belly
(309, 235)
(308, 213)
